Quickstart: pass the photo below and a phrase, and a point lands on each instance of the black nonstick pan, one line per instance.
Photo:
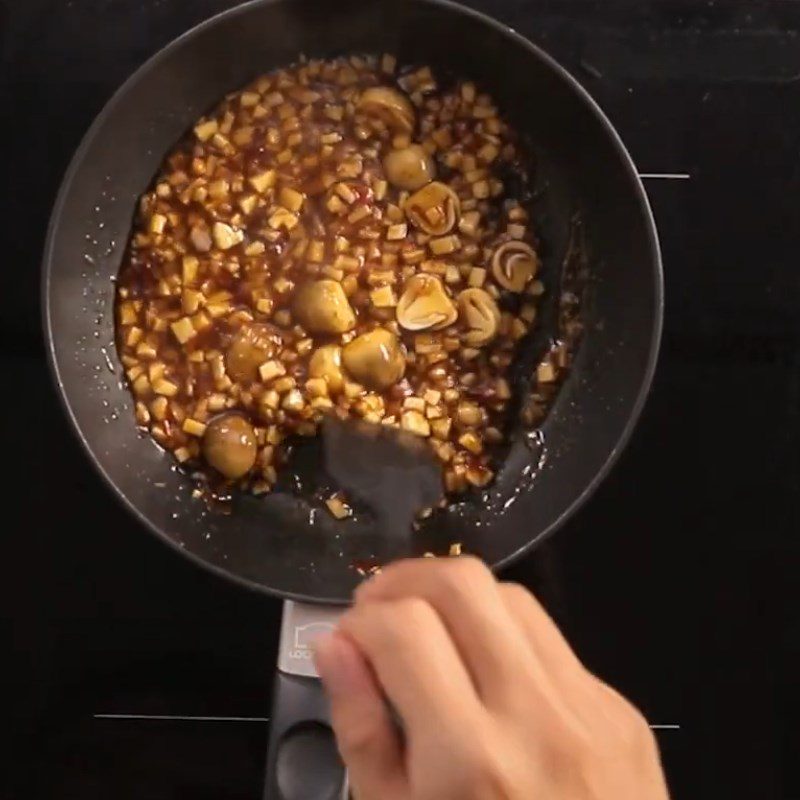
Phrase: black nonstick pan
(582, 172)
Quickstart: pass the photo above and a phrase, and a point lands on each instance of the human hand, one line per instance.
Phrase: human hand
(494, 704)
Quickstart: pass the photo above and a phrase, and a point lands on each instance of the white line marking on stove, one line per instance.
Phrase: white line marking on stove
(180, 718)
(665, 176)
(189, 718)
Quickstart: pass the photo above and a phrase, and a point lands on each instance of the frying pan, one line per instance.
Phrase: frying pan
(268, 544)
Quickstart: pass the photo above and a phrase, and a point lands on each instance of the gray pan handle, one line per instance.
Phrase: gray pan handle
(302, 760)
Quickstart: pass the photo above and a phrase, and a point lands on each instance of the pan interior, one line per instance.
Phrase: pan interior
(581, 168)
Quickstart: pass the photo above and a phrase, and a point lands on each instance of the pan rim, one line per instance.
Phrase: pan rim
(570, 82)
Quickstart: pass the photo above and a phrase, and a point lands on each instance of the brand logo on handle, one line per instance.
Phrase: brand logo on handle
(302, 624)
(304, 636)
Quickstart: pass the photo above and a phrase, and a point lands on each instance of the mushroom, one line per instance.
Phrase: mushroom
(323, 307)
(251, 347)
(390, 106)
(326, 362)
(434, 208)
(425, 304)
(375, 359)
(480, 315)
(229, 445)
(408, 168)
(514, 263)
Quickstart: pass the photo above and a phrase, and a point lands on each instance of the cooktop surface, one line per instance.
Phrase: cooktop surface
(133, 674)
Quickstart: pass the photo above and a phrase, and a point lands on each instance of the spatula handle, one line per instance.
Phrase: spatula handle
(302, 760)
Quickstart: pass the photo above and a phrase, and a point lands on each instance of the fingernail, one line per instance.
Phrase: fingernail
(337, 663)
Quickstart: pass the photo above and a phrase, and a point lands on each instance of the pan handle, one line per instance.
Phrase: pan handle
(302, 760)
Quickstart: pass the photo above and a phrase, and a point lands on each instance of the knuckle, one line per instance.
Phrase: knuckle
(367, 625)
(637, 733)
(487, 772)
(416, 612)
(386, 628)
(633, 729)
(566, 737)
(466, 575)
(516, 595)
(387, 625)
(472, 567)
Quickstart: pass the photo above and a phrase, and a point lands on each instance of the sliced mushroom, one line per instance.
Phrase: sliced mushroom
(408, 168)
(388, 105)
(323, 307)
(425, 304)
(480, 315)
(375, 359)
(514, 264)
(229, 445)
(253, 345)
(326, 362)
(434, 208)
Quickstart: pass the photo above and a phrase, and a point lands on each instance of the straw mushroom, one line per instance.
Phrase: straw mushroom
(425, 304)
(229, 445)
(409, 167)
(433, 209)
(480, 315)
(323, 307)
(252, 346)
(375, 359)
(388, 105)
(514, 263)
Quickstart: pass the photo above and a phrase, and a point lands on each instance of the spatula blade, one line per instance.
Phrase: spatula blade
(391, 471)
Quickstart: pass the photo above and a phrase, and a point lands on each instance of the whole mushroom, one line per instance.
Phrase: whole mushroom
(390, 106)
(433, 209)
(409, 167)
(425, 304)
(326, 362)
(375, 359)
(323, 307)
(514, 263)
(229, 445)
(251, 347)
(480, 315)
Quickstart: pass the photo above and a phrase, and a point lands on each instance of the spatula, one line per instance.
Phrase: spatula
(391, 471)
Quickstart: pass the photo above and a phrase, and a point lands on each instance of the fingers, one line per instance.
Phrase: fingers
(366, 737)
(415, 663)
(466, 597)
(540, 632)
(435, 638)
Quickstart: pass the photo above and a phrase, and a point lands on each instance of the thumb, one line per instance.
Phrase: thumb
(367, 739)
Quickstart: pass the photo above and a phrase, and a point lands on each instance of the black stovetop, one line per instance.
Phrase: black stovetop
(674, 582)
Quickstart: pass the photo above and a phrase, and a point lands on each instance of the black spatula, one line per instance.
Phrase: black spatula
(392, 472)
